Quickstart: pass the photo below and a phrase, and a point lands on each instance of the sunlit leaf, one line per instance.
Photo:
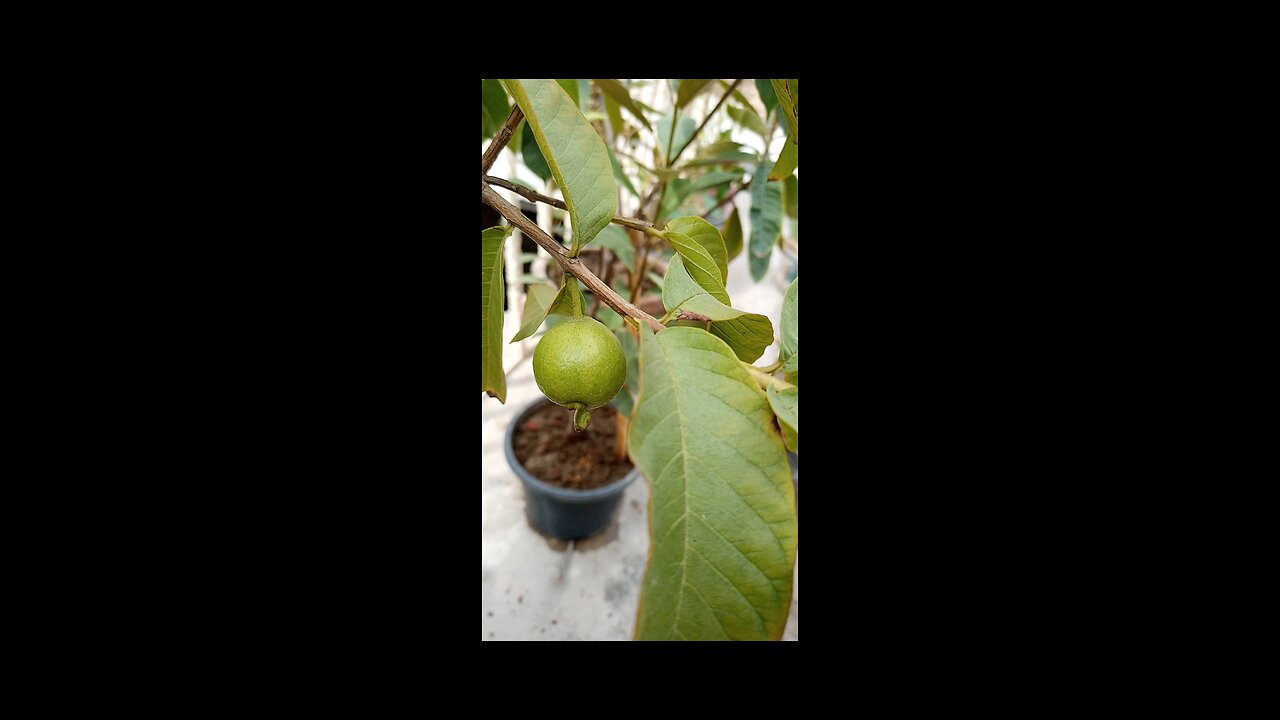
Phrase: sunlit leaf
(722, 523)
(575, 153)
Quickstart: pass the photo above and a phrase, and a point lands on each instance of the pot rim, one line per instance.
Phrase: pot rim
(563, 494)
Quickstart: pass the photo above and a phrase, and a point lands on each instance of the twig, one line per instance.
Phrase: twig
(574, 266)
(704, 122)
(533, 196)
(500, 140)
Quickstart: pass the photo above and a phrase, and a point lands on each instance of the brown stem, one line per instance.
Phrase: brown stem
(500, 140)
(704, 121)
(533, 196)
(574, 266)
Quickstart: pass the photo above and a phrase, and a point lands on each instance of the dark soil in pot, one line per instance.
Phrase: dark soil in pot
(547, 446)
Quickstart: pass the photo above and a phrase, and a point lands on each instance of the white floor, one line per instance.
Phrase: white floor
(536, 589)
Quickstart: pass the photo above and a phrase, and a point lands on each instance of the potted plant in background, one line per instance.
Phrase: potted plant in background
(708, 428)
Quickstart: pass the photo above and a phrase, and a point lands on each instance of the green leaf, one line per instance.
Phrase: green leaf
(789, 344)
(571, 88)
(614, 89)
(701, 267)
(791, 197)
(494, 103)
(615, 238)
(618, 173)
(765, 88)
(792, 364)
(716, 177)
(748, 334)
(766, 221)
(537, 303)
(493, 380)
(684, 131)
(720, 147)
(737, 95)
(786, 405)
(706, 235)
(748, 119)
(722, 158)
(788, 159)
(733, 234)
(577, 156)
(614, 114)
(788, 92)
(722, 526)
(533, 158)
(656, 279)
(569, 300)
(689, 89)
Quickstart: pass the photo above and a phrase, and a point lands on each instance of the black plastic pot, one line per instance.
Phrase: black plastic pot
(559, 512)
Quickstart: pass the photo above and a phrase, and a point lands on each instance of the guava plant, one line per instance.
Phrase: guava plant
(708, 428)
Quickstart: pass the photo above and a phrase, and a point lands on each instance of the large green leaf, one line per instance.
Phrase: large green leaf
(733, 235)
(788, 159)
(786, 405)
(788, 92)
(765, 87)
(615, 238)
(748, 334)
(706, 235)
(684, 131)
(789, 344)
(493, 380)
(576, 154)
(748, 119)
(766, 221)
(722, 520)
(701, 266)
(615, 90)
(791, 197)
(533, 158)
(536, 306)
(689, 89)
